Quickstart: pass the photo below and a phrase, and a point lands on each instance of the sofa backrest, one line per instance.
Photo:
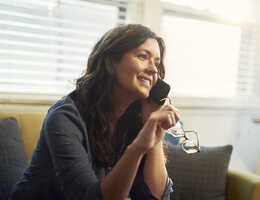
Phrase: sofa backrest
(30, 125)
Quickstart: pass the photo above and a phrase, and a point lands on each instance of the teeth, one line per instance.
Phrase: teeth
(145, 80)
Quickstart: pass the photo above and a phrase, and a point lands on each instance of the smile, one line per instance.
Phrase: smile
(146, 81)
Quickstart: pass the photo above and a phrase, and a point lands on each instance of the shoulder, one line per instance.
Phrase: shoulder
(65, 105)
(64, 116)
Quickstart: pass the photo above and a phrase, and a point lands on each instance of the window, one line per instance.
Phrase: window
(236, 10)
(203, 58)
(45, 44)
(210, 53)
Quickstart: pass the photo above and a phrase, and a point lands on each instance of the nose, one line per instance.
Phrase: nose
(152, 69)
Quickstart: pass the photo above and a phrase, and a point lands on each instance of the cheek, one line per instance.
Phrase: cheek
(137, 67)
(124, 76)
(129, 69)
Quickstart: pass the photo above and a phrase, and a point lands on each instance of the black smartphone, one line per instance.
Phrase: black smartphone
(159, 92)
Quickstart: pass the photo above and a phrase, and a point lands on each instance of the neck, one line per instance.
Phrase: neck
(121, 101)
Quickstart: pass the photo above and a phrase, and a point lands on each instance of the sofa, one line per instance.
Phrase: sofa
(239, 185)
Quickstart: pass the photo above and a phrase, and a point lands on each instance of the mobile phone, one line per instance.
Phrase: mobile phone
(159, 92)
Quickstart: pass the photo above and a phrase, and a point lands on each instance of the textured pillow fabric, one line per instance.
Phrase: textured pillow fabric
(12, 155)
(200, 176)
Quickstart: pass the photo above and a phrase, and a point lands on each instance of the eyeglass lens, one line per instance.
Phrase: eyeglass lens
(188, 139)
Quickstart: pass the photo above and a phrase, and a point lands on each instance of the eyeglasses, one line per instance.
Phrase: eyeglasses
(189, 139)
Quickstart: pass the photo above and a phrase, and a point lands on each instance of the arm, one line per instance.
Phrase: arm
(118, 182)
(71, 162)
(155, 173)
(149, 139)
(73, 167)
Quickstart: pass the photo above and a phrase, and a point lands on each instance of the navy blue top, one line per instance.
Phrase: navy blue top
(62, 167)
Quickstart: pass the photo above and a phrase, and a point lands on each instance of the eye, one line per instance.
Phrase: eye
(142, 56)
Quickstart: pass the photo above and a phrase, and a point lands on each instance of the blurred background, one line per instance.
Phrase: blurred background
(213, 59)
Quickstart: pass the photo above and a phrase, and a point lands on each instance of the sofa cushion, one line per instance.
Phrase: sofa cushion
(12, 155)
(199, 176)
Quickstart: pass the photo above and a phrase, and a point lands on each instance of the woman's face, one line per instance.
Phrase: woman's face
(137, 72)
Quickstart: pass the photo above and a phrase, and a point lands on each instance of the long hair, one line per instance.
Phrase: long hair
(94, 87)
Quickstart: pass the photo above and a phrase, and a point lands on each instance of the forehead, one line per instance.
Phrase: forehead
(152, 46)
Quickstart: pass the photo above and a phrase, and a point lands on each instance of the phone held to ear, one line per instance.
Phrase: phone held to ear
(159, 92)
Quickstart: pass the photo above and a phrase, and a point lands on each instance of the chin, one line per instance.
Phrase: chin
(144, 94)
(141, 92)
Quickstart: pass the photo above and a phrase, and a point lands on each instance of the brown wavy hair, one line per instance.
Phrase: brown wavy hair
(94, 89)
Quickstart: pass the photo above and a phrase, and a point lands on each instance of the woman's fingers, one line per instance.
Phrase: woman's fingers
(168, 122)
(174, 110)
(152, 131)
(174, 119)
(169, 107)
(166, 118)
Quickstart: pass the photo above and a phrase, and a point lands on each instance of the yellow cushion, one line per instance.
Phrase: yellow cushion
(30, 125)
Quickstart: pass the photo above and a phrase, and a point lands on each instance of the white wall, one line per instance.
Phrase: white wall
(227, 126)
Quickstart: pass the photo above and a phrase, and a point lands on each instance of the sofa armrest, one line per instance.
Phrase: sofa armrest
(243, 186)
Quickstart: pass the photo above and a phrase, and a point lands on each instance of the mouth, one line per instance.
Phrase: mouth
(145, 80)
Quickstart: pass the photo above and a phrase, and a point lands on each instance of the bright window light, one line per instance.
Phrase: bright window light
(236, 10)
(44, 44)
(202, 57)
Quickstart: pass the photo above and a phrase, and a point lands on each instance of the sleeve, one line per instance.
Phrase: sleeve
(168, 189)
(140, 190)
(73, 169)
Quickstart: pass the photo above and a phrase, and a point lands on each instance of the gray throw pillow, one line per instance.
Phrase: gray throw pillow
(200, 176)
(12, 155)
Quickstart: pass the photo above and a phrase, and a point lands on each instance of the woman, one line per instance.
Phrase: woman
(104, 140)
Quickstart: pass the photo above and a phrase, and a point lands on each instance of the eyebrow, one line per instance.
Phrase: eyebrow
(150, 54)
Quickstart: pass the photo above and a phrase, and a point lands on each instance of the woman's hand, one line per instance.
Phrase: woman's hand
(156, 119)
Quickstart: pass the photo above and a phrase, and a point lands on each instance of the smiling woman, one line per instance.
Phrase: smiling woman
(104, 140)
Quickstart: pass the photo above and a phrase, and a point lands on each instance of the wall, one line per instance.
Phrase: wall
(227, 126)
